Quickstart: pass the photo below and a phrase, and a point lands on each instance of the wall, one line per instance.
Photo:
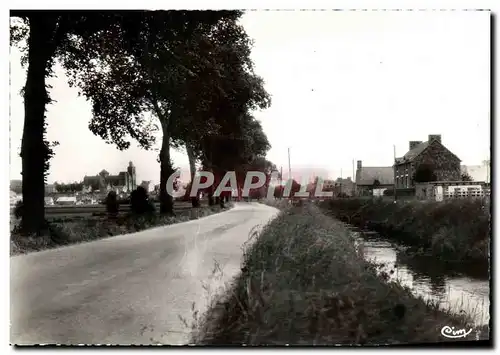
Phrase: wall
(439, 191)
(447, 166)
(403, 175)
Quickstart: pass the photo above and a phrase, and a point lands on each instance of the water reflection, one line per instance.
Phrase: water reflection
(428, 278)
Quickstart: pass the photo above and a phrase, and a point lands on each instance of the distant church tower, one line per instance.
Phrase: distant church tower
(132, 184)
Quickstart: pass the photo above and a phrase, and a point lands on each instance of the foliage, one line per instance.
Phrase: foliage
(425, 173)
(69, 188)
(139, 202)
(465, 223)
(18, 210)
(48, 153)
(191, 70)
(43, 37)
(466, 177)
(112, 203)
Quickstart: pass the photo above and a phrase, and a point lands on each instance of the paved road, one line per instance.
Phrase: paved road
(129, 289)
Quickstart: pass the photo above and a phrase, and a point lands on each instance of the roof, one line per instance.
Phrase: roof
(412, 154)
(416, 151)
(368, 174)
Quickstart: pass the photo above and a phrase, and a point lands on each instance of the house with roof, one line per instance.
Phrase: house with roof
(444, 164)
(373, 178)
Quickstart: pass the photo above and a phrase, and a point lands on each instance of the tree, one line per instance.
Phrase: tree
(425, 173)
(222, 106)
(169, 64)
(42, 37)
(466, 177)
(68, 188)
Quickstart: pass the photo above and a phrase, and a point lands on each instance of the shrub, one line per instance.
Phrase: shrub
(139, 202)
(112, 203)
(454, 229)
(18, 210)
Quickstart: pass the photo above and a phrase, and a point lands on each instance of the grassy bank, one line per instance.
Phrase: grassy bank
(455, 230)
(66, 231)
(304, 282)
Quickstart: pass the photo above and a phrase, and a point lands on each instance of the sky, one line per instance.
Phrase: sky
(345, 86)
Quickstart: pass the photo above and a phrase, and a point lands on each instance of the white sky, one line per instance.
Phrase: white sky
(345, 85)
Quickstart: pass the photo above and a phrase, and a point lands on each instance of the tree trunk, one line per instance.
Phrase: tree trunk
(166, 200)
(195, 201)
(33, 145)
(210, 195)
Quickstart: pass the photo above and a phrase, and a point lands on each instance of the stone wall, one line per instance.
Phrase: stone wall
(446, 164)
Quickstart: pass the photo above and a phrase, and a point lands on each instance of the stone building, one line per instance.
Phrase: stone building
(445, 165)
(371, 178)
(125, 180)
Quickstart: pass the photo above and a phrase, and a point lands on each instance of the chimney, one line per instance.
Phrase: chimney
(413, 144)
(359, 164)
(436, 137)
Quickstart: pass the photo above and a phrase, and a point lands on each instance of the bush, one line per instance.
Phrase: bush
(453, 230)
(139, 202)
(112, 203)
(18, 210)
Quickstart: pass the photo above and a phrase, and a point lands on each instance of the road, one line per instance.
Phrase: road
(129, 289)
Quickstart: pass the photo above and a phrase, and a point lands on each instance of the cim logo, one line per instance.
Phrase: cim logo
(454, 334)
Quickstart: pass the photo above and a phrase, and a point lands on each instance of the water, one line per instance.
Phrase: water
(427, 278)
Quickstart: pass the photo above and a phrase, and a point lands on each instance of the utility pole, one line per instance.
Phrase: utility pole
(353, 178)
(395, 198)
(289, 166)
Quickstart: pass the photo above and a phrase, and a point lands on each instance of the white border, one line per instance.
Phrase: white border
(219, 4)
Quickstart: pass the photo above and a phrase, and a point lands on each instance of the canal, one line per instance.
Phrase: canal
(459, 292)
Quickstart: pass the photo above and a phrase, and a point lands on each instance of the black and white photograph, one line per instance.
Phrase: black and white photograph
(250, 177)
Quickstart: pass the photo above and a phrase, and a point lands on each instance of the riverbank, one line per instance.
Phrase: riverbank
(455, 231)
(67, 231)
(303, 282)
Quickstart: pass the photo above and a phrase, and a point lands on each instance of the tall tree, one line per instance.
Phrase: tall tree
(43, 36)
(212, 108)
(163, 63)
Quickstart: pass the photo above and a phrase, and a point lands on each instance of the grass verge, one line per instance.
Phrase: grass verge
(77, 230)
(304, 283)
(454, 230)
